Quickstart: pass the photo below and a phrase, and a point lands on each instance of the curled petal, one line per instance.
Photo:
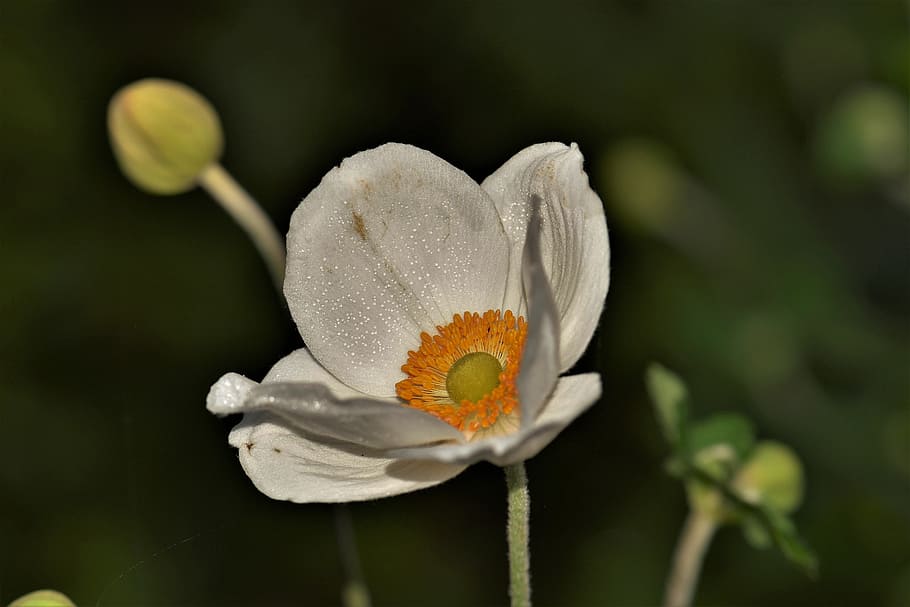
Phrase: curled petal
(574, 243)
(228, 394)
(572, 396)
(540, 360)
(313, 402)
(288, 466)
(393, 242)
(373, 423)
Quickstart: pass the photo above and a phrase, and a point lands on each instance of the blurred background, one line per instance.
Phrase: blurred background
(753, 161)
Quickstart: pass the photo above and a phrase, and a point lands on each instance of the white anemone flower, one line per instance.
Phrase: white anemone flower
(438, 315)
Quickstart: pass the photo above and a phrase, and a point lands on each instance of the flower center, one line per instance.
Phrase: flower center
(473, 376)
(465, 374)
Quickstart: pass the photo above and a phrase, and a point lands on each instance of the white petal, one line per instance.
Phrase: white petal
(393, 242)
(287, 466)
(369, 422)
(226, 396)
(318, 405)
(575, 247)
(573, 395)
(540, 360)
(300, 365)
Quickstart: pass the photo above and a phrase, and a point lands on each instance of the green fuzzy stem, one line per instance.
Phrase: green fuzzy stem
(517, 531)
(355, 592)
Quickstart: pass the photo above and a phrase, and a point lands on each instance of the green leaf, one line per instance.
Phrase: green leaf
(676, 467)
(790, 543)
(755, 533)
(707, 454)
(775, 524)
(669, 394)
(731, 429)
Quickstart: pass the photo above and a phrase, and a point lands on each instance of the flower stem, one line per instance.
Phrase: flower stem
(249, 215)
(355, 592)
(693, 543)
(517, 531)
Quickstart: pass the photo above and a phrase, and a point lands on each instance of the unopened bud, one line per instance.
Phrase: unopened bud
(164, 134)
(773, 475)
(865, 135)
(646, 183)
(43, 598)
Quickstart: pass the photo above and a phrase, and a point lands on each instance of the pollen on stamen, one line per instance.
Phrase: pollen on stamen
(502, 336)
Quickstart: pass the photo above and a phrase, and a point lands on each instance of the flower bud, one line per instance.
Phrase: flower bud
(707, 500)
(716, 461)
(43, 598)
(164, 134)
(773, 475)
(646, 183)
(864, 135)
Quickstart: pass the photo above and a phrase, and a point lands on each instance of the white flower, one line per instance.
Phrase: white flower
(410, 284)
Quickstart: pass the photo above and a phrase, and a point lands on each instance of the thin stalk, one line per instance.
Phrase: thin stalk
(517, 532)
(690, 552)
(249, 215)
(355, 592)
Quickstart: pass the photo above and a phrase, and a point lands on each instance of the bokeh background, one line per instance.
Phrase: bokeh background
(753, 161)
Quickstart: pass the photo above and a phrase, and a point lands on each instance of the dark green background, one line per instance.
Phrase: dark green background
(773, 275)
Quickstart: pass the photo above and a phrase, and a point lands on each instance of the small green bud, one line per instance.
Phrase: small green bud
(164, 134)
(773, 475)
(707, 500)
(716, 461)
(864, 135)
(43, 598)
(645, 181)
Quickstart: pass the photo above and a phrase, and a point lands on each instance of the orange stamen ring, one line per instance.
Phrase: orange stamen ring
(501, 336)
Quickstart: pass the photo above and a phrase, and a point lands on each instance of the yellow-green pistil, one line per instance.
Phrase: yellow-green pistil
(473, 376)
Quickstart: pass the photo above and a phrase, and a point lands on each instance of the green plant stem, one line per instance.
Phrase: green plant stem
(249, 215)
(693, 543)
(355, 592)
(517, 531)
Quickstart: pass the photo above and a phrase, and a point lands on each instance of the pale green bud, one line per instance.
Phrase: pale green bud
(716, 460)
(43, 598)
(865, 134)
(646, 183)
(707, 500)
(773, 475)
(164, 134)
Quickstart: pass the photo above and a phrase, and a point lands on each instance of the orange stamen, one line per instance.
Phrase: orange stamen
(502, 336)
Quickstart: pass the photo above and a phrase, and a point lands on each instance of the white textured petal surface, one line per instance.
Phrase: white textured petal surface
(367, 422)
(572, 396)
(575, 247)
(540, 361)
(393, 242)
(285, 465)
(300, 365)
(226, 396)
(308, 398)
